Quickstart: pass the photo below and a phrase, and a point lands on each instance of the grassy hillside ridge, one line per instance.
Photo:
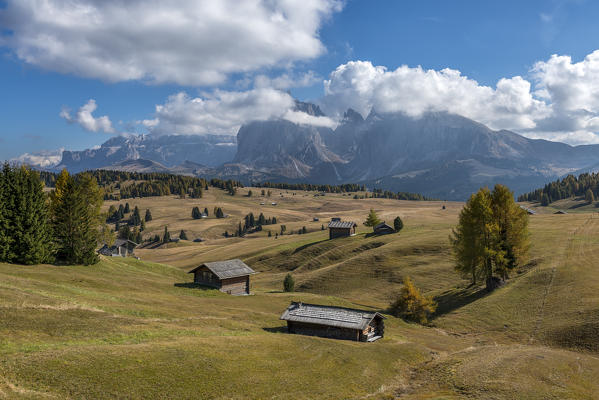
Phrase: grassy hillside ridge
(136, 329)
(120, 328)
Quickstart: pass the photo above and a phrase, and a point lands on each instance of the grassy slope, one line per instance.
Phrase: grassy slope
(122, 327)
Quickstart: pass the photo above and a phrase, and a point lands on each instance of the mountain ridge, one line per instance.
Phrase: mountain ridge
(437, 154)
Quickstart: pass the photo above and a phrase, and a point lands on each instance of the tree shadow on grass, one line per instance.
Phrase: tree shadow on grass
(298, 249)
(276, 329)
(453, 299)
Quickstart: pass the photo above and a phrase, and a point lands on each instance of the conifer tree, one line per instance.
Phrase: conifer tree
(261, 219)
(372, 219)
(26, 216)
(75, 206)
(206, 211)
(491, 237)
(397, 224)
(166, 237)
(183, 235)
(142, 226)
(5, 237)
(589, 196)
(127, 209)
(545, 200)
(195, 213)
(148, 216)
(411, 305)
(289, 283)
(135, 219)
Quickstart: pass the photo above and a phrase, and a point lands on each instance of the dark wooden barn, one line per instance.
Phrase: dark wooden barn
(338, 228)
(231, 276)
(334, 322)
(383, 228)
(121, 248)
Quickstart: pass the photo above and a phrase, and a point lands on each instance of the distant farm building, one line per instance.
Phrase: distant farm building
(231, 276)
(560, 212)
(528, 210)
(383, 228)
(315, 219)
(338, 228)
(334, 322)
(121, 248)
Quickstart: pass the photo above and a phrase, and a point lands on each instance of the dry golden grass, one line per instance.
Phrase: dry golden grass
(122, 328)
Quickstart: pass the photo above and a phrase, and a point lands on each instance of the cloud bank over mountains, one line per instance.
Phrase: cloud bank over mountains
(205, 43)
(560, 102)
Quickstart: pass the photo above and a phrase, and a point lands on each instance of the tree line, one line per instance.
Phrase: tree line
(62, 226)
(343, 188)
(586, 184)
(386, 194)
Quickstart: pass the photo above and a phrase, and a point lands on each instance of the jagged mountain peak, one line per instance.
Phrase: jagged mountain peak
(351, 116)
(308, 108)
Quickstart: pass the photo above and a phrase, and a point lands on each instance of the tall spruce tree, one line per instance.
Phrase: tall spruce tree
(28, 237)
(75, 209)
(148, 216)
(372, 219)
(166, 237)
(5, 238)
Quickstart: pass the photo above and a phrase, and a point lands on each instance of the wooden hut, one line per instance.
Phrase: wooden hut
(338, 228)
(121, 248)
(334, 322)
(383, 228)
(231, 276)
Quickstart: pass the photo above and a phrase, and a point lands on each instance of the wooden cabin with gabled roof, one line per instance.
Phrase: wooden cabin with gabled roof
(338, 228)
(231, 276)
(382, 229)
(334, 322)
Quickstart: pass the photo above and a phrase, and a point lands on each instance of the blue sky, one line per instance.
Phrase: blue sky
(45, 68)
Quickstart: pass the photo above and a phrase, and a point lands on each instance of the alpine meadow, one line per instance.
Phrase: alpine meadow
(330, 199)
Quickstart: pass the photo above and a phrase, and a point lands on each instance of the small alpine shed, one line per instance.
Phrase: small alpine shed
(338, 228)
(231, 276)
(383, 228)
(121, 248)
(334, 322)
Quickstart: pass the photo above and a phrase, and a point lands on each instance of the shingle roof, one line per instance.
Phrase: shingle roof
(382, 225)
(122, 242)
(528, 210)
(227, 269)
(329, 316)
(342, 224)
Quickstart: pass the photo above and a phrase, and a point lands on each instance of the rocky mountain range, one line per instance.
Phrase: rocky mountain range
(438, 154)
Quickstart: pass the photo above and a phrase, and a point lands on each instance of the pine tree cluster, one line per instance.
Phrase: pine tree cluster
(568, 187)
(36, 228)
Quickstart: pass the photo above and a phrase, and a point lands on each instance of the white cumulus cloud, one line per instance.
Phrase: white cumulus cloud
(188, 42)
(414, 91)
(84, 117)
(223, 112)
(42, 159)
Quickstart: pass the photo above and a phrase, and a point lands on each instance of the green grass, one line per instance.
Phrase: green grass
(127, 329)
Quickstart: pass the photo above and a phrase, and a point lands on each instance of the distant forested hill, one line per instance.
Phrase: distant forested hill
(565, 188)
